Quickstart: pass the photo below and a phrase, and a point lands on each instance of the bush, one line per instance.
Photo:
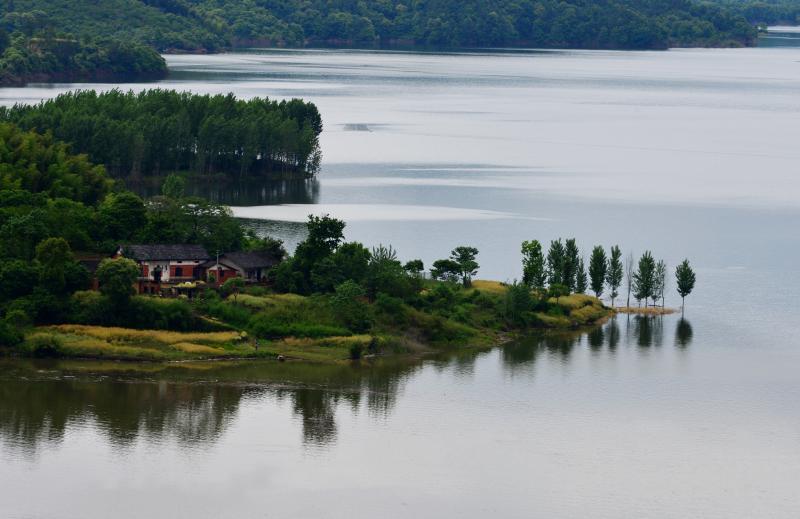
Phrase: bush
(9, 335)
(45, 346)
(265, 327)
(356, 350)
(349, 307)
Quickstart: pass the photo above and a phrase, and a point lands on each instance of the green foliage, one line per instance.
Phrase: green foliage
(517, 304)
(350, 308)
(614, 272)
(598, 270)
(116, 278)
(414, 267)
(644, 281)
(194, 25)
(555, 263)
(267, 327)
(45, 57)
(570, 265)
(581, 281)
(534, 271)
(685, 278)
(39, 164)
(53, 256)
(174, 186)
(158, 131)
(446, 270)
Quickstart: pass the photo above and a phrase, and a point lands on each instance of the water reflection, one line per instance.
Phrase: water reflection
(683, 333)
(241, 193)
(641, 331)
(194, 404)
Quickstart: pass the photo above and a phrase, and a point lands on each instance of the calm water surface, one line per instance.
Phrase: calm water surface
(687, 153)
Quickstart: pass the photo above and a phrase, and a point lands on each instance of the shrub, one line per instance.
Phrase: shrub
(45, 346)
(356, 350)
(265, 327)
(349, 307)
(9, 335)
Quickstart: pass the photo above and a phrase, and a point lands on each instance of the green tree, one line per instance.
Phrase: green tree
(555, 263)
(350, 308)
(534, 272)
(660, 283)
(614, 272)
(414, 267)
(517, 303)
(54, 257)
(446, 270)
(581, 281)
(174, 186)
(570, 266)
(598, 270)
(117, 278)
(122, 215)
(686, 279)
(232, 287)
(644, 282)
(464, 257)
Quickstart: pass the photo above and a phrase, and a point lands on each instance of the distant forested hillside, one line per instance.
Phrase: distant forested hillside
(47, 57)
(210, 25)
(766, 12)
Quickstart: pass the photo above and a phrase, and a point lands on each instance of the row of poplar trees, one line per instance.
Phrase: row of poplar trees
(563, 271)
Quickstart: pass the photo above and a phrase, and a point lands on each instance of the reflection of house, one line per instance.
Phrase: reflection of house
(252, 266)
(166, 264)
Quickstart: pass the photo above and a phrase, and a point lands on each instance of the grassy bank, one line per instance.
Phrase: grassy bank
(259, 324)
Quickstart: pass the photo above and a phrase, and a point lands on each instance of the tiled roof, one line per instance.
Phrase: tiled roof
(165, 252)
(245, 260)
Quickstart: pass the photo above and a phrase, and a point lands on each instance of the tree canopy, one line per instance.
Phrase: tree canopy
(157, 131)
(210, 25)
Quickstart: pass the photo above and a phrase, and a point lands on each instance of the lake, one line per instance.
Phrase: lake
(688, 153)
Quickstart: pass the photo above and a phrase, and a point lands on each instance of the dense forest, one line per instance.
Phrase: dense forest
(47, 57)
(211, 25)
(766, 12)
(159, 131)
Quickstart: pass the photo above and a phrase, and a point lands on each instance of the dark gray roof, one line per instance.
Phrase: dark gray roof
(165, 252)
(245, 260)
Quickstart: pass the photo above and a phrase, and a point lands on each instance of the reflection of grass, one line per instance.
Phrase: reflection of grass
(649, 310)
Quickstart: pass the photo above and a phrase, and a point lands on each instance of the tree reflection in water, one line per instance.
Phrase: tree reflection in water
(194, 404)
(642, 331)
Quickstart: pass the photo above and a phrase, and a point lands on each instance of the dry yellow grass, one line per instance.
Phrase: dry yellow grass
(115, 334)
(575, 301)
(492, 287)
(650, 310)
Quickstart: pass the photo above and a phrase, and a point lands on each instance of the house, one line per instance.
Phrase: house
(166, 264)
(252, 266)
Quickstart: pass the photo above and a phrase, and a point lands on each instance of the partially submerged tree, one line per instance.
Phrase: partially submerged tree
(644, 282)
(629, 276)
(686, 280)
(660, 282)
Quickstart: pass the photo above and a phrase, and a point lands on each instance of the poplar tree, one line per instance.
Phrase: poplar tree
(571, 257)
(686, 279)
(598, 268)
(534, 272)
(629, 276)
(644, 282)
(555, 263)
(660, 282)
(614, 272)
(581, 282)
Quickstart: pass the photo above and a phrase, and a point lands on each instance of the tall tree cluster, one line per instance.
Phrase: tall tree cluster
(159, 131)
